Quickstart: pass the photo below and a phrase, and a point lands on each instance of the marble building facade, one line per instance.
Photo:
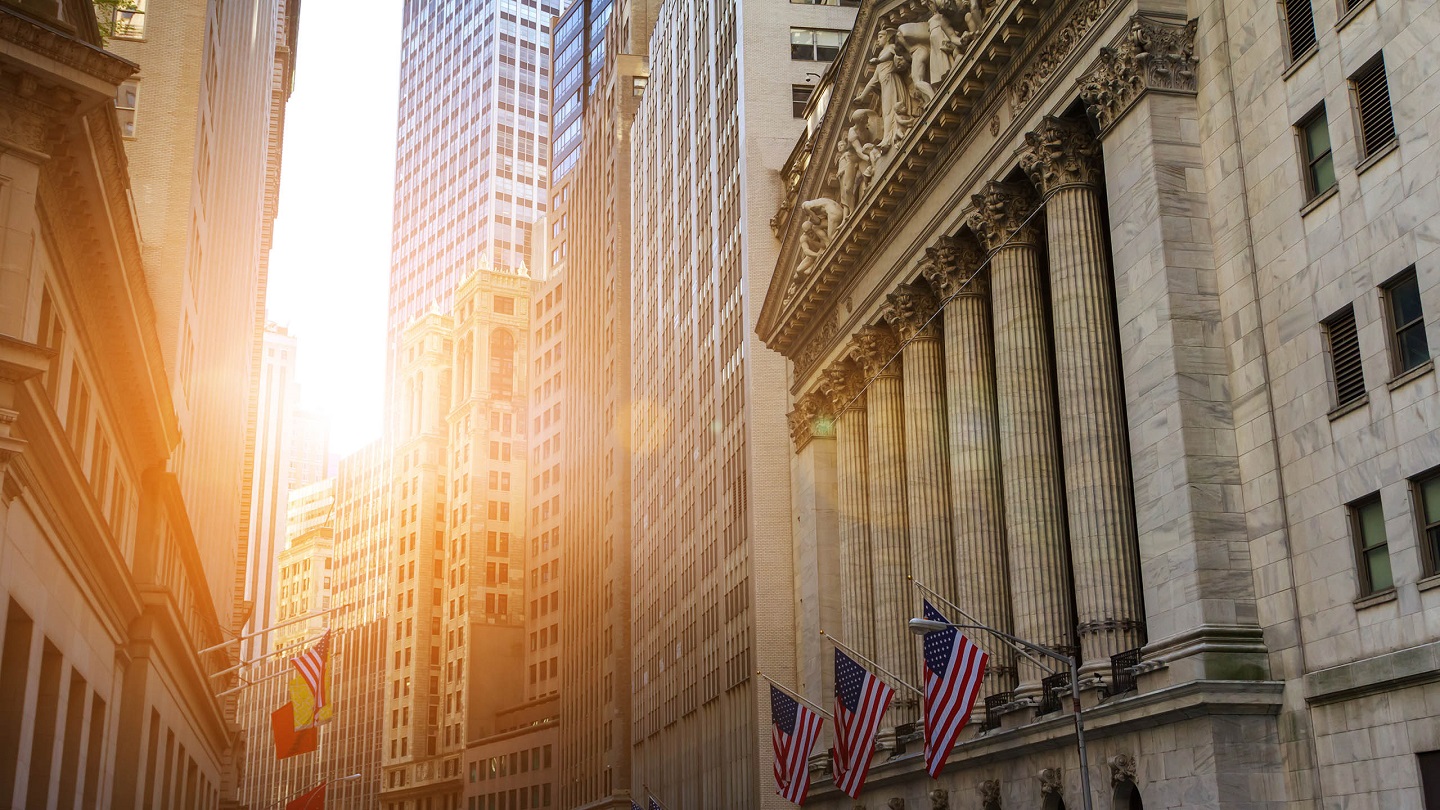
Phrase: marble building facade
(1110, 322)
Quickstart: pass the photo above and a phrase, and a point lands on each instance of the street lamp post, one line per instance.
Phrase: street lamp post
(922, 626)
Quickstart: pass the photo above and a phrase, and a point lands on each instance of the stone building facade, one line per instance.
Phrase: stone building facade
(1109, 322)
(107, 589)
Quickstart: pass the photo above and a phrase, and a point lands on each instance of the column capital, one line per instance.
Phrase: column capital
(1062, 152)
(952, 262)
(910, 311)
(844, 384)
(1154, 55)
(1000, 213)
(811, 418)
(877, 349)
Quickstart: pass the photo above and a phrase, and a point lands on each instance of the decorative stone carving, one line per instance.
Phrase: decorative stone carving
(1154, 55)
(844, 384)
(946, 44)
(1050, 782)
(910, 310)
(939, 799)
(811, 418)
(896, 803)
(877, 349)
(952, 266)
(1062, 152)
(989, 794)
(823, 217)
(855, 163)
(1122, 769)
(815, 345)
(1044, 65)
(1001, 214)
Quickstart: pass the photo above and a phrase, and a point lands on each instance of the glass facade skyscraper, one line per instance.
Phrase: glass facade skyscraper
(472, 146)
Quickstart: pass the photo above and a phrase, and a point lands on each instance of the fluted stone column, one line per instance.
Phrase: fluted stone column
(1063, 160)
(1029, 446)
(912, 311)
(877, 350)
(982, 571)
(844, 385)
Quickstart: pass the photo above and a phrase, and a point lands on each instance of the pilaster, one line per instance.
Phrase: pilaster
(1194, 555)
(844, 383)
(815, 549)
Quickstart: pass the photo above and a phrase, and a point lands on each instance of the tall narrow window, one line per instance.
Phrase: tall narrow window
(1427, 517)
(1429, 763)
(127, 96)
(1315, 149)
(1372, 102)
(1299, 27)
(799, 98)
(1409, 347)
(1372, 550)
(502, 363)
(1343, 342)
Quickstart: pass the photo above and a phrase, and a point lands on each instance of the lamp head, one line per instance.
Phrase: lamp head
(922, 626)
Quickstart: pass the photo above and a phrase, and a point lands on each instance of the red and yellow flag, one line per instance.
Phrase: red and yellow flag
(289, 741)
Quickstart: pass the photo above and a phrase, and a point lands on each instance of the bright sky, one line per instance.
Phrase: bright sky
(330, 265)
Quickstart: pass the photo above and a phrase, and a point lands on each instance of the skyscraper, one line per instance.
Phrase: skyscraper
(599, 72)
(712, 571)
(471, 146)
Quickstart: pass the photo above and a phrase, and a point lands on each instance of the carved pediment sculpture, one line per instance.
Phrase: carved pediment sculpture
(823, 217)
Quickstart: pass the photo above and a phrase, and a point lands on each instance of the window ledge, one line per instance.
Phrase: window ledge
(1378, 156)
(1352, 405)
(1353, 13)
(1404, 378)
(1301, 60)
(1374, 599)
(1429, 583)
(1319, 200)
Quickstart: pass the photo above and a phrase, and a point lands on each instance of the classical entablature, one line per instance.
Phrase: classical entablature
(913, 85)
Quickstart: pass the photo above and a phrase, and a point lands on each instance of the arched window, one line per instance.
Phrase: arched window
(1127, 797)
(502, 363)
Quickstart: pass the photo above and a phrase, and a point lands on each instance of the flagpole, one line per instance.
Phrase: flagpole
(847, 648)
(792, 693)
(1028, 655)
(232, 690)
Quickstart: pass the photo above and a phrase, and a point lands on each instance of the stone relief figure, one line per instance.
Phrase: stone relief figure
(974, 19)
(915, 37)
(887, 80)
(939, 799)
(855, 165)
(946, 44)
(823, 217)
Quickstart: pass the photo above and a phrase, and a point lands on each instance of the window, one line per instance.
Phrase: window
(799, 97)
(1367, 527)
(815, 44)
(1429, 762)
(1299, 27)
(1315, 150)
(504, 305)
(1408, 345)
(126, 96)
(1343, 342)
(128, 19)
(1372, 103)
(1426, 491)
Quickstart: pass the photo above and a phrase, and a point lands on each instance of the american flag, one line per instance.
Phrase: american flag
(311, 665)
(796, 729)
(860, 703)
(954, 668)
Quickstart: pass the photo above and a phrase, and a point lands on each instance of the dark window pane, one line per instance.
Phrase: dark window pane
(1345, 361)
(1372, 95)
(1413, 347)
(1405, 300)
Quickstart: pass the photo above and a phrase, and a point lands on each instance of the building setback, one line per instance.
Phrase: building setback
(471, 147)
(710, 571)
(1110, 323)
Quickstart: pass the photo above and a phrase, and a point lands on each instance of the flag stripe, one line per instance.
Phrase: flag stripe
(954, 671)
